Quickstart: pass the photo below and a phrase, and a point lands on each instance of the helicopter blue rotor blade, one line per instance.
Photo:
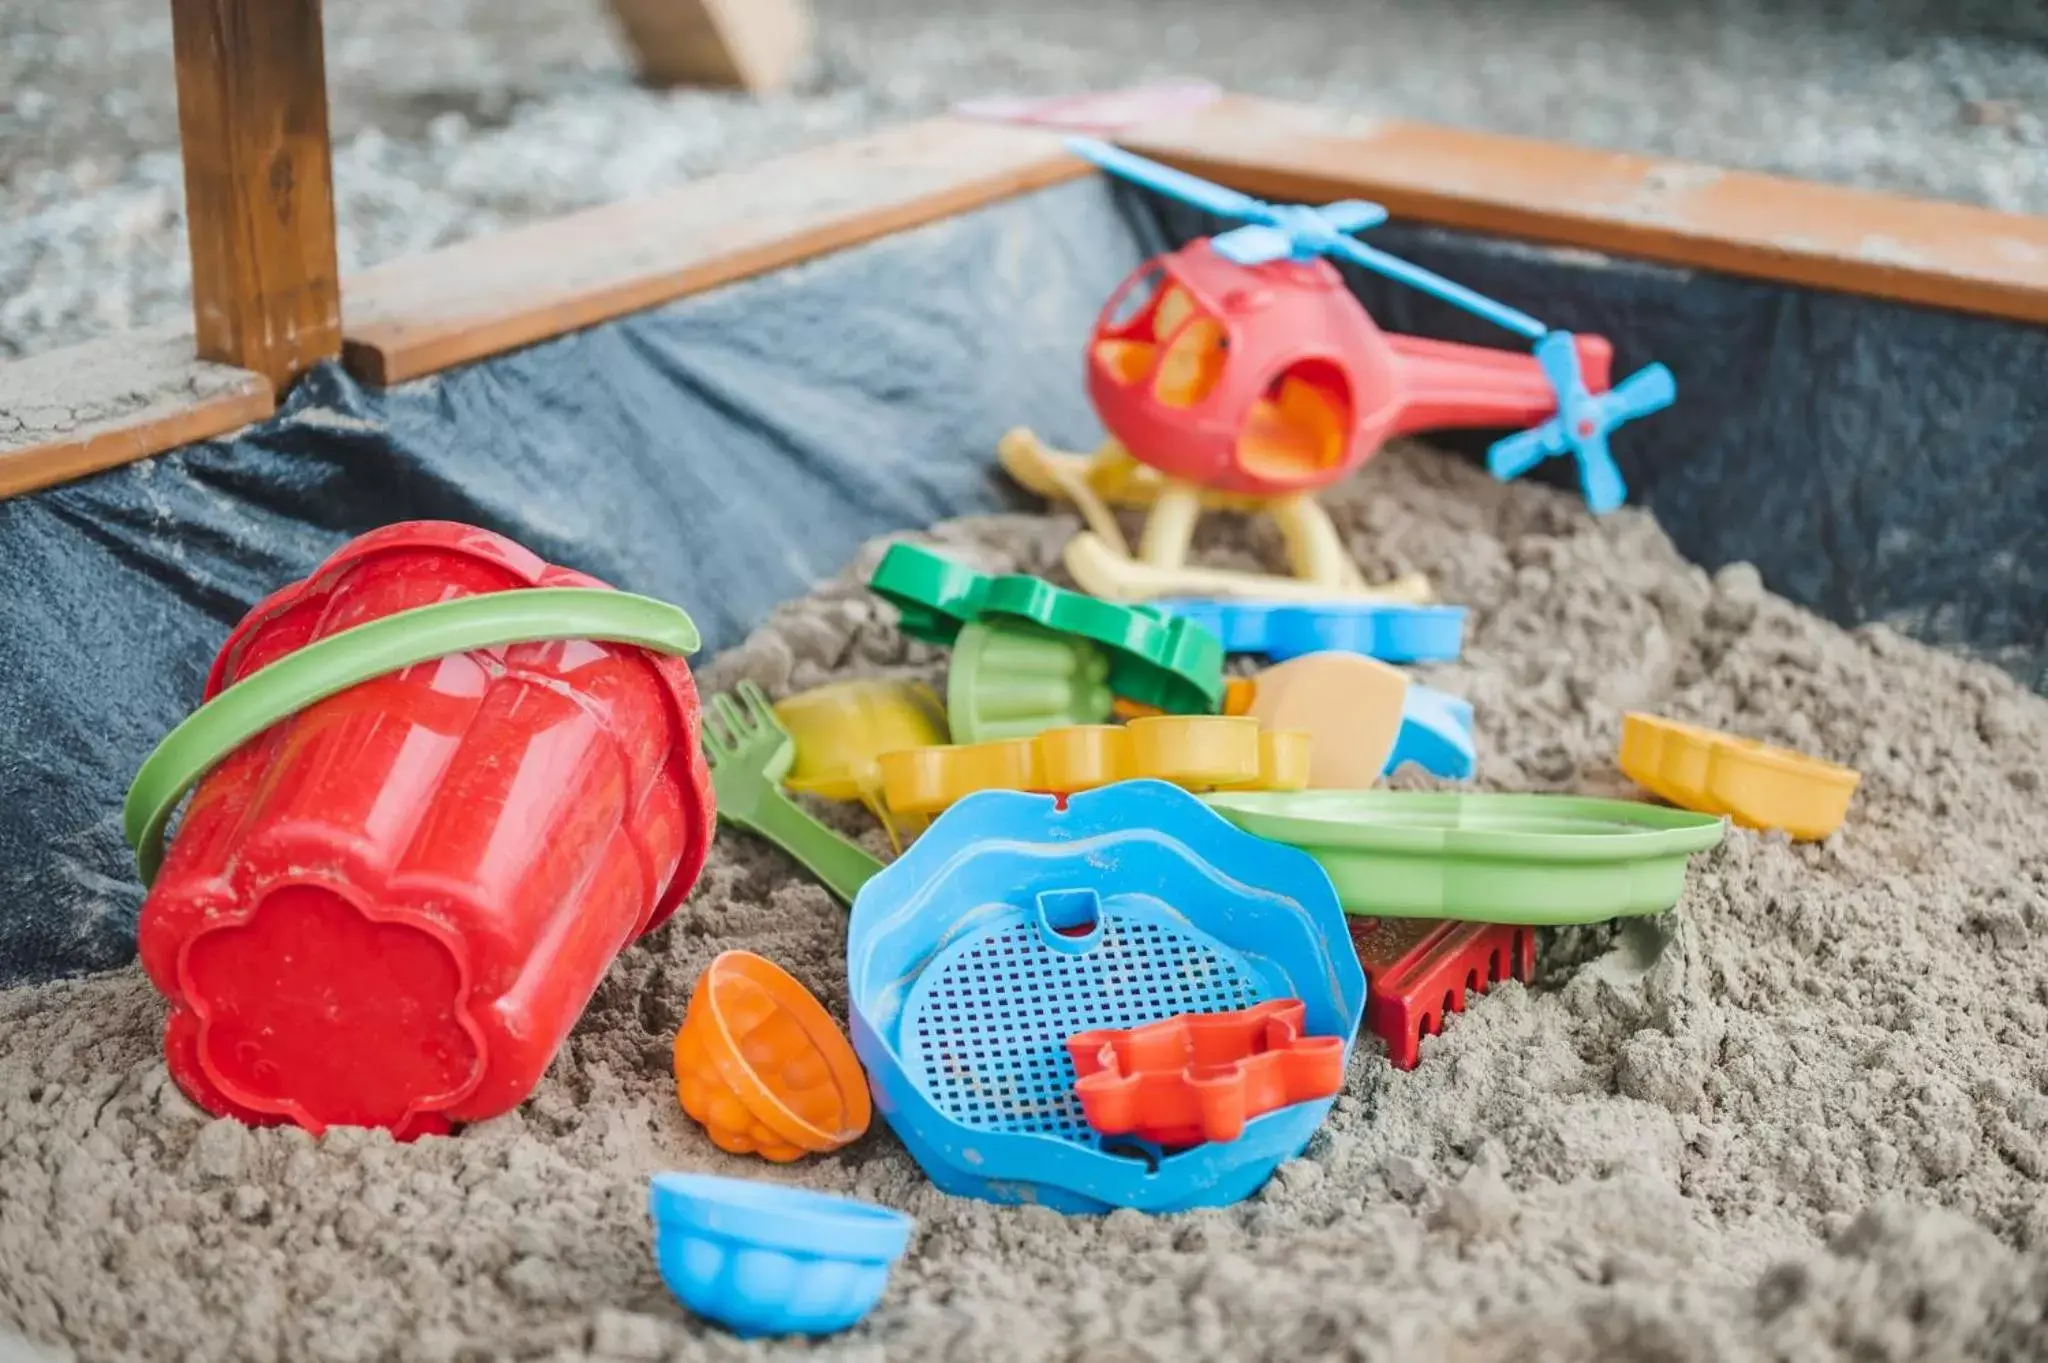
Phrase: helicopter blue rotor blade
(1649, 389)
(1435, 285)
(1253, 245)
(1557, 354)
(1514, 455)
(1352, 215)
(1599, 476)
(1170, 182)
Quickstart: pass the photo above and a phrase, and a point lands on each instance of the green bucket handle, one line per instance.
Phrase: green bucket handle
(311, 674)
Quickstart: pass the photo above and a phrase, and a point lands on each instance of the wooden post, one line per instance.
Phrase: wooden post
(259, 193)
(754, 45)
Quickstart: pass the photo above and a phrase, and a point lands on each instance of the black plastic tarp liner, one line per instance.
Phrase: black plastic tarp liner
(726, 451)
(722, 453)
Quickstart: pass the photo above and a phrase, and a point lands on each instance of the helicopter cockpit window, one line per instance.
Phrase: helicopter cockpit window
(1126, 346)
(1301, 425)
(1153, 330)
(1191, 362)
(1134, 299)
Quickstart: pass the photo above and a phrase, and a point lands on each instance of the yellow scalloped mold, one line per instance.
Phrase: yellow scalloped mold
(1195, 752)
(1755, 784)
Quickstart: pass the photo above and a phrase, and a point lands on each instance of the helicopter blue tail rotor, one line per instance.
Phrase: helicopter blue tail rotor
(1583, 422)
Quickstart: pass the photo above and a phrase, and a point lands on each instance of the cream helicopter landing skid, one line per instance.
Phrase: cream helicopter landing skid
(1101, 561)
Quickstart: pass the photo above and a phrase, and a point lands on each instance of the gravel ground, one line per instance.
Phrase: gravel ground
(453, 117)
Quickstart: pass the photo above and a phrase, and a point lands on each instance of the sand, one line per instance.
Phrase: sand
(1804, 1116)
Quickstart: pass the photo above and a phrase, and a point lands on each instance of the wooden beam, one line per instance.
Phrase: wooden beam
(1761, 226)
(259, 200)
(481, 297)
(71, 412)
(755, 45)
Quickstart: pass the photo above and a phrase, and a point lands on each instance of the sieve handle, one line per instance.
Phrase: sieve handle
(1070, 920)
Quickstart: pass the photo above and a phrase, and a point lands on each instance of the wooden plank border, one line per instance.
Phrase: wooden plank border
(1818, 236)
(71, 412)
(479, 298)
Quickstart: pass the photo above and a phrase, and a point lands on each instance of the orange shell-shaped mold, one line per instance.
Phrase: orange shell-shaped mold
(763, 1067)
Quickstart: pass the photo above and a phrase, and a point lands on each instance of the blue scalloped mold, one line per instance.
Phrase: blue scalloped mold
(1283, 630)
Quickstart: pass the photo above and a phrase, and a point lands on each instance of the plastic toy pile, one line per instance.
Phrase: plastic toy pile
(1141, 908)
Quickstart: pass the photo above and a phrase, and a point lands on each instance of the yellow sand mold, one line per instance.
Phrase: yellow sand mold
(1756, 785)
(1196, 752)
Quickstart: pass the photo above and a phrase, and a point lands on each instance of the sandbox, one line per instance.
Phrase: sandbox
(1805, 1114)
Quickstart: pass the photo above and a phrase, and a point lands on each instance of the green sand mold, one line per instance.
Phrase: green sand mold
(1159, 660)
(1526, 860)
(1010, 679)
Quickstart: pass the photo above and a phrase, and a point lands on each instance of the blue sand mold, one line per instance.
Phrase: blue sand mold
(1283, 630)
(1436, 734)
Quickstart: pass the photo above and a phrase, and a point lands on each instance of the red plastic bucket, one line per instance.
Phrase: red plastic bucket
(389, 908)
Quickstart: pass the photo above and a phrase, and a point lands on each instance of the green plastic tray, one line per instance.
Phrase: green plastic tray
(1165, 661)
(1529, 860)
(934, 595)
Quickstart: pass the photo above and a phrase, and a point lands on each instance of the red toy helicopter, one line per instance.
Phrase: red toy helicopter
(1240, 372)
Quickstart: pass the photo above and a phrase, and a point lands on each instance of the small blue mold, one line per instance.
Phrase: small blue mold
(1392, 634)
(1241, 625)
(764, 1259)
(1436, 735)
(1281, 630)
